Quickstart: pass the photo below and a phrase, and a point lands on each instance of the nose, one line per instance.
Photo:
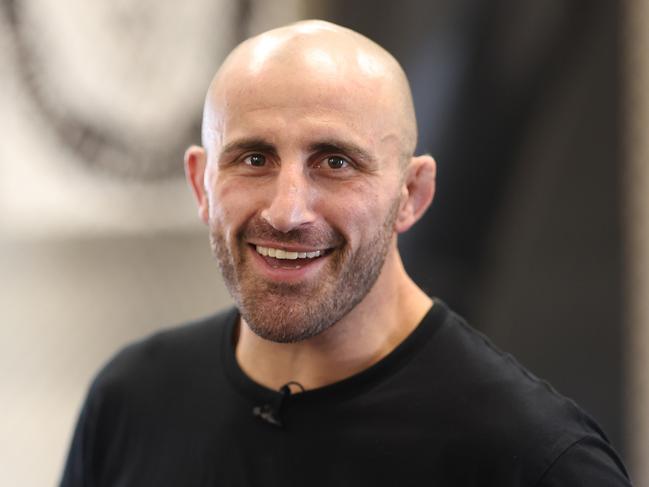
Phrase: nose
(291, 203)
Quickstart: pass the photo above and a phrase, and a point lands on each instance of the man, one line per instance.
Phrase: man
(334, 368)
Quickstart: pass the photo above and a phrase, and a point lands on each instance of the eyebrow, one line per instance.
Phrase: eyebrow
(250, 144)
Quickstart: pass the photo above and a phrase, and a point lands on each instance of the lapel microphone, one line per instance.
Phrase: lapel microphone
(271, 412)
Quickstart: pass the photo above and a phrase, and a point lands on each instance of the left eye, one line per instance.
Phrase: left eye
(337, 162)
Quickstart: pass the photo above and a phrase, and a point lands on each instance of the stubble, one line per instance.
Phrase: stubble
(287, 313)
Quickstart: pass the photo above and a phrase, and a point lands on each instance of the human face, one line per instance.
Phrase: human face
(304, 167)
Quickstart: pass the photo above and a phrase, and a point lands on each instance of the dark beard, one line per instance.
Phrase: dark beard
(288, 313)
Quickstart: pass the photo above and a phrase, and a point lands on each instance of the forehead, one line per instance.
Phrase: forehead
(315, 101)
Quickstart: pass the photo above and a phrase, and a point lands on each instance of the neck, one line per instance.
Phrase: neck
(384, 318)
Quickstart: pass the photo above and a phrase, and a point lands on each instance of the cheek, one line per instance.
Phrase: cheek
(357, 213)
(230, 208)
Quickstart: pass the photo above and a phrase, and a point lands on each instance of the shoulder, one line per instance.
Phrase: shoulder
(167, 378)
(507, 413)
(478, 369)
(165, 358)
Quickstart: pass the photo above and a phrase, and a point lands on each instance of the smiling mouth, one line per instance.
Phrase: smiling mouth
(286, 259)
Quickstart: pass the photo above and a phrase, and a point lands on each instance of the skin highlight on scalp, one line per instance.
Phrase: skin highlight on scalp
(329, 51)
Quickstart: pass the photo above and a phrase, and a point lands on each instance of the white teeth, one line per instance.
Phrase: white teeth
(285, 254)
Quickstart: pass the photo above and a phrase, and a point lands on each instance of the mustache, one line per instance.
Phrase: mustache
(312, 236)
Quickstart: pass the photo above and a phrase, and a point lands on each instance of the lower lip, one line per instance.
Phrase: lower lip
(278, 273)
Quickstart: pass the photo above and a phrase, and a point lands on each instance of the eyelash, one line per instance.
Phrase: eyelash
(325, 160)
(346, 161)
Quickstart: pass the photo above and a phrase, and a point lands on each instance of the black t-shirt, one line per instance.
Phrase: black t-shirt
(445, 408)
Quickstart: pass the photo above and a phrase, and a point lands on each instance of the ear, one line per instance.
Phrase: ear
(417, 192)
(195, 163)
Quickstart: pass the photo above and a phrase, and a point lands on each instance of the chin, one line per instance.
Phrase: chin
(286, 324)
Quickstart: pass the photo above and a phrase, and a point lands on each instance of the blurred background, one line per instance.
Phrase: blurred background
(536, 112)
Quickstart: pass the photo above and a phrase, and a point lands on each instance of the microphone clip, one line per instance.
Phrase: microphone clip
(271, 413)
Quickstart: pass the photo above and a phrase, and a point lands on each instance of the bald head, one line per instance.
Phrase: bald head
(318, 57)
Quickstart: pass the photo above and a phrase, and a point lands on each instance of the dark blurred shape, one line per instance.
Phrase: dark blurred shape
(520, 104)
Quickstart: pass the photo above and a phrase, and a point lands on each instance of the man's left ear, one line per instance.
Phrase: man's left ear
(417, 191)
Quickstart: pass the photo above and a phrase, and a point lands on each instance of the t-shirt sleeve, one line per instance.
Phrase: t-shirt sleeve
(588, 462)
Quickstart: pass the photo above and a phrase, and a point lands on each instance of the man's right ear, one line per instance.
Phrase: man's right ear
(195, 163)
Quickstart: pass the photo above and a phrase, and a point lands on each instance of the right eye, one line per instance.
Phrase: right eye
(255, 160)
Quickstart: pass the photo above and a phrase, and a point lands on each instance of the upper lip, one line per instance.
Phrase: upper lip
(288, 247)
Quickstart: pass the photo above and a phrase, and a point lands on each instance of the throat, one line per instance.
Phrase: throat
(313, 364)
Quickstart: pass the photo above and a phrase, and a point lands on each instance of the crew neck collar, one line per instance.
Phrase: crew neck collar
(345, 388)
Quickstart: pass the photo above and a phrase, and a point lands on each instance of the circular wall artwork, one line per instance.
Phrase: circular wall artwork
(121, 82)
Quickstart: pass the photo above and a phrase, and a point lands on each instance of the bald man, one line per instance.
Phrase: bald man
(333, 368)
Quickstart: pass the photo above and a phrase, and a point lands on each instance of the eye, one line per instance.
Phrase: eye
(255, 160)
(337, 162)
